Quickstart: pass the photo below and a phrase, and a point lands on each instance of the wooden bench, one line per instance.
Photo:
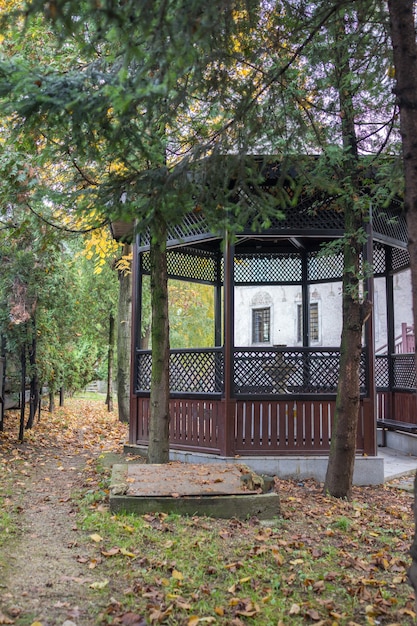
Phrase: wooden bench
(404, 427)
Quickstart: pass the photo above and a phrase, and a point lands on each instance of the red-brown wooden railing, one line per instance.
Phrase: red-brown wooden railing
(258, 427)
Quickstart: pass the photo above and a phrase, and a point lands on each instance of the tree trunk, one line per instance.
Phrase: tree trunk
(158, 450)
(51, 401)
(61, 396)
(339, 475)
(22, 392)
(39, 408)
(2, 382)
(404, 45)
(34, 381)
(109, 398)
(124, 327)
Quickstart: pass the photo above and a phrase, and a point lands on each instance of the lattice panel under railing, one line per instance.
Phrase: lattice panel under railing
(143, 370)
(404, 371)
(191, 371)
(187, 263)
(257, 371)
(267, 268)
(262, 372)
(382, 371)
(196, 371)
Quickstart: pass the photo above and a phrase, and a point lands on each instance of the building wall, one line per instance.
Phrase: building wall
(403, 310)
(283, 303)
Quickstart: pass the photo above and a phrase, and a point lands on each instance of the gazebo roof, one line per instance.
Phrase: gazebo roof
(303, 222)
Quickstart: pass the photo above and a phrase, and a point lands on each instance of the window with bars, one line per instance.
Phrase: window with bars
(313, 322)
(261, 325)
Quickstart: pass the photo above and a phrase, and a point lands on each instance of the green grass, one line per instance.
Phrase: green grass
(178, 570)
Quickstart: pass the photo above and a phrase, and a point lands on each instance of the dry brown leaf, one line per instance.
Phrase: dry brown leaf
(133, 619)
(111, 552)
(295, 609)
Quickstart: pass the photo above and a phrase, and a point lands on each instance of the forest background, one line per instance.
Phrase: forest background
(118, 111)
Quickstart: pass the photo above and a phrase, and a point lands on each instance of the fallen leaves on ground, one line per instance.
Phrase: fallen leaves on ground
(325, 561)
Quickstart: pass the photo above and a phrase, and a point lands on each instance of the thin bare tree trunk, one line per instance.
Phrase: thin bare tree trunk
(34, 380)
(22, 392)
(109, 398)
(51, 402)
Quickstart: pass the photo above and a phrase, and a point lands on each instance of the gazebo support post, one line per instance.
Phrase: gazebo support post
(389, 286)
(136, 337)
(369, 403)
(229, 403)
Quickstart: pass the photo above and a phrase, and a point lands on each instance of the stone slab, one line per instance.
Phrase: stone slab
(186, 479)
(221, 491)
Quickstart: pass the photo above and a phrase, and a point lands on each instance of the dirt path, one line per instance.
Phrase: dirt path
(44, 577)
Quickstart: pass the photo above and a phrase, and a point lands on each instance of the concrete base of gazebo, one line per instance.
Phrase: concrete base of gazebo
(406, 443)
(369, 470)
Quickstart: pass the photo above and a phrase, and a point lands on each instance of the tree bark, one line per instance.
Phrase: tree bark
(339, 475)
(22, 392)
(34, 380)
(404, 46)
(2, 382)
(124, 328)
(158, 450)
(110, 360)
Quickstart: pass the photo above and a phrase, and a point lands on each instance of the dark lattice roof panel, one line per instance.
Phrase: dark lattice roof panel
(193, 228)
(389, 226)
(312, 215)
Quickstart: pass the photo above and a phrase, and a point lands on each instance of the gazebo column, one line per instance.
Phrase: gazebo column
(369, 402)
(226, 431)
(305, 312)
(389, 291)
(305, 299)
(136, 337)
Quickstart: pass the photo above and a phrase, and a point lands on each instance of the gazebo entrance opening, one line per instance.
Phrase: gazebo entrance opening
(267, 384)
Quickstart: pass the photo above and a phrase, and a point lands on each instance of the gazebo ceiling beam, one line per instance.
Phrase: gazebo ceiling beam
(297, 243)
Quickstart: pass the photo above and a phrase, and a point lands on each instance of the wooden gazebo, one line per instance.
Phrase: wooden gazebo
(271, 401)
